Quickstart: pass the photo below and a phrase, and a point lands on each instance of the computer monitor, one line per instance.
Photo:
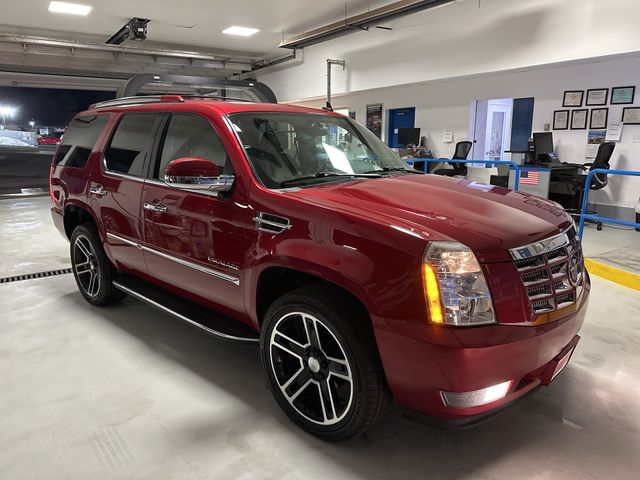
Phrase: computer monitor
(543, 146)
(408, 136)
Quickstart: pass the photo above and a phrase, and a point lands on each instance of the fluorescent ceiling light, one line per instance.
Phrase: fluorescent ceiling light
(242, 31)
(72, 8)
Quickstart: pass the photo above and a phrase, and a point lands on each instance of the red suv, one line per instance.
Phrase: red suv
(362, 279)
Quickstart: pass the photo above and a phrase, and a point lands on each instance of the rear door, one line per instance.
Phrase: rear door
(194, 241)
(116, 188)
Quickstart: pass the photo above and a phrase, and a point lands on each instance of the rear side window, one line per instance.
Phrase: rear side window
(79, 139)
(130, 144)
(192, 136)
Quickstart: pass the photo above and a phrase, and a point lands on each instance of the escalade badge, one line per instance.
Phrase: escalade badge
(223, 263)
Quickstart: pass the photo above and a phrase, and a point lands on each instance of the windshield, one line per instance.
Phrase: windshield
(286, 147)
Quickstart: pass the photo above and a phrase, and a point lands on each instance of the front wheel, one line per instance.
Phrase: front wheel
(91, 267)
(322, 364)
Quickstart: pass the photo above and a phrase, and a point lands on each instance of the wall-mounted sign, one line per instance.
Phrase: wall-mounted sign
(631, 116)
(579, 119)
(622, 95)
(573, 98)
(599, 118)
(374, 119)
(597, 96)
(561, 120)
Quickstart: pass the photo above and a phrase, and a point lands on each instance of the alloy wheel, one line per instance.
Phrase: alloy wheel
(311, 368)
(86, 266)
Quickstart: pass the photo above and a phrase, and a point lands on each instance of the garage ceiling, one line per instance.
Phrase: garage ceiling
(186, 40)
(186, 24)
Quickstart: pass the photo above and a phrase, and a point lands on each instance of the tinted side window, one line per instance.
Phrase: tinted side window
(130, 144)
(192, 136)
(79, 140)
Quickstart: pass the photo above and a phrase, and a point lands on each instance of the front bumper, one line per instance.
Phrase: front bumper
(420, 367)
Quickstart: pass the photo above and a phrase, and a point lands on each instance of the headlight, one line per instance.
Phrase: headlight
(455, 288)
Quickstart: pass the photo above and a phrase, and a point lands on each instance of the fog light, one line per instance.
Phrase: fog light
(477, 397)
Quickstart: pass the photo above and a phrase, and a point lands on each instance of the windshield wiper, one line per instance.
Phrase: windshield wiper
(394, 169)
(320, 175)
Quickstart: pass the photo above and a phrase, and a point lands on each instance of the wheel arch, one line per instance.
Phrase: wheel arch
(273, 281)
(76, 214)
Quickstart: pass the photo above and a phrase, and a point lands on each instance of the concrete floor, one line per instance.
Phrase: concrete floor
(128, 392)
(613, 245)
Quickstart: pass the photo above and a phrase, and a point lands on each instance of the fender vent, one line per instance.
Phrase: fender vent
(267, 222)
(31, 276)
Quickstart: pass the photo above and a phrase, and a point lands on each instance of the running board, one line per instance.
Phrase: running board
(196, 315)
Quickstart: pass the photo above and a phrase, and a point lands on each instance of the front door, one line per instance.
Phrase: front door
(193, 241)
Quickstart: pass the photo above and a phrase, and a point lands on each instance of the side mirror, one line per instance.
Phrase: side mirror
(193, 173)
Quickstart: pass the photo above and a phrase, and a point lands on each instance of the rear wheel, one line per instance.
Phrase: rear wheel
(91, 268)
(323, 371)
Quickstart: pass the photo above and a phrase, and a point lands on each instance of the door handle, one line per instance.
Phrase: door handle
(98, 190)
(155, 207)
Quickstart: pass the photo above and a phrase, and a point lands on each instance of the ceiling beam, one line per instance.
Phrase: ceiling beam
(26, 41)
(360, 22)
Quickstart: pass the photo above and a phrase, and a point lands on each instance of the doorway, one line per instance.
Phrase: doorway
(399, 118)
(492, 134)
(500, 125)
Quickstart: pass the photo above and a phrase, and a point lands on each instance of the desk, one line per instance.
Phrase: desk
(533, 180)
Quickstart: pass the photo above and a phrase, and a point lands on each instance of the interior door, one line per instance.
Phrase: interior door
(400, 118)
(193, 241)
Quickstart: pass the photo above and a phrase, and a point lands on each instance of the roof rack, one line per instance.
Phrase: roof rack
(119, 102)
(255, 91)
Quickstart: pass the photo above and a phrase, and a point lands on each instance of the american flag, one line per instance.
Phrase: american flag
(529, 177)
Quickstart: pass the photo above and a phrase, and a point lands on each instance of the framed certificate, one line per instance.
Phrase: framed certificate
(631, 116)
(597, 96)
(579, 119)
(622, 95)
(561, 120)
(573, 98)
(599, 117)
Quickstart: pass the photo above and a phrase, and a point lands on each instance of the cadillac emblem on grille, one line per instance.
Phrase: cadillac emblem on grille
(552, 271)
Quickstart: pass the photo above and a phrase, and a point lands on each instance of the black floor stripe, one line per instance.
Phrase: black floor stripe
(31, 276)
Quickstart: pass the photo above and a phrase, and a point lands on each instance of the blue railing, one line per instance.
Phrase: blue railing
(514, 165)
(585, 197)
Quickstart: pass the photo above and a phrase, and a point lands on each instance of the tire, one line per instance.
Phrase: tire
(322, 363)
(92, 269)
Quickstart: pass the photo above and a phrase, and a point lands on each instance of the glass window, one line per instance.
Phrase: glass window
(79, 140)
(131, 142)
(286, 147)
(192, 136)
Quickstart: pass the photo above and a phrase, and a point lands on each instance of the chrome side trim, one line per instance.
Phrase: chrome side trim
(118, 238)
(124, 176)
(194, 266)
(185, 263)
(153, 303)
(538, 248)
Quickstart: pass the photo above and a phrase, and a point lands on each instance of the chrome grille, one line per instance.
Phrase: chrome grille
(552, 271)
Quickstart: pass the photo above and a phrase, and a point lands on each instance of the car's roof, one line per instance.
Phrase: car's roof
(220, 106)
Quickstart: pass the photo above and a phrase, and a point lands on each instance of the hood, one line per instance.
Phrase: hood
(488, 219)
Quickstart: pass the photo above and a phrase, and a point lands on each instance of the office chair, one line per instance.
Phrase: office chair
(461, 153)
(576, 184)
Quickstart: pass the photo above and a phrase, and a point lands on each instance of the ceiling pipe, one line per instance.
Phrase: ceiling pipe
(153, 52)
(361, 22)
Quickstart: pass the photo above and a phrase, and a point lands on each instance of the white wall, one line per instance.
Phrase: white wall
(462, 39)
(442, 60)
(446, 104)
